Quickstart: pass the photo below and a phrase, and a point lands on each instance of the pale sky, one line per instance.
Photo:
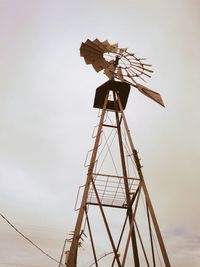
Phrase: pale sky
(46, 117)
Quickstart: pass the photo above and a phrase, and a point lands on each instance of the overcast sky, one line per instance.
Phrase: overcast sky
(46, 117)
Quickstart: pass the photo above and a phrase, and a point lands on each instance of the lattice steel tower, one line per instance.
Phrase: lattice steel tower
(125, 226)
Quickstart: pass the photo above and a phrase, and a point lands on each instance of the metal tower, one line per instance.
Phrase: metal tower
(115, 187)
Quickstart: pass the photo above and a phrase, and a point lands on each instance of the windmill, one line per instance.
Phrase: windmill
(121, 188)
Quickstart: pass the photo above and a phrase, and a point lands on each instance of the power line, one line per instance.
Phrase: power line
(36, 246)
(19, 264)
(105, 255)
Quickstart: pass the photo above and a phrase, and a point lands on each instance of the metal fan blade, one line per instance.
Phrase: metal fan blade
(120, 74)
(122, 50)
(110, 47)
(149, 93)
(132, 80)
(98, 59)
(132, 60)
(100, 45)
(130, 76)
(106, 44)
(109, 71)
(141, 67)
(149, 65)
(92, 45)
(97, 66)
(143, 73)
(114, 47)
(93, 54)
(88, 48)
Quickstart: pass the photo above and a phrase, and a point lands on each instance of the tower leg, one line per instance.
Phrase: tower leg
(148, 200)
(124, 171)
(71, 260)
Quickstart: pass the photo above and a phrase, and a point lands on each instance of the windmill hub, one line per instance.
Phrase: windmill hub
(113, 57)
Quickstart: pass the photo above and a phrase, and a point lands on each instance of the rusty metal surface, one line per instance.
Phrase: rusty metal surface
(119, 64)
(150, 93)
(123, 89)
(116, 62)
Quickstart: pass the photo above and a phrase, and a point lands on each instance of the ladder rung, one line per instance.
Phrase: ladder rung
(108, 125)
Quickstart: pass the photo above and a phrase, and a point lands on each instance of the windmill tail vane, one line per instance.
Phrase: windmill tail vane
(117, 63)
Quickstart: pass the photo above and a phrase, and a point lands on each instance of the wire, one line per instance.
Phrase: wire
(41, 250)
(19, 264)
(106, 254)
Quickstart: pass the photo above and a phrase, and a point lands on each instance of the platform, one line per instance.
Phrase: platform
(111, 190)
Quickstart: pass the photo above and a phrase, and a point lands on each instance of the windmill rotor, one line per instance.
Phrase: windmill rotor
(117, 63)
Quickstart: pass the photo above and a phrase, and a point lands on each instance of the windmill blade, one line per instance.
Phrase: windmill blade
(120, 74)
(122, 50)
(93, 46)
(130, 76)
(110, 47)
(92, 52)
(88, 47)
(149, 93)
(100, 45)
(142, 67)
(109, 71)
(107, 45)
(98, 63)
(131, 73)
(139, 63)
(114, 47)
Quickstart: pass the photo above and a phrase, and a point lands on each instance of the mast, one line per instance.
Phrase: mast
(108, 191)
